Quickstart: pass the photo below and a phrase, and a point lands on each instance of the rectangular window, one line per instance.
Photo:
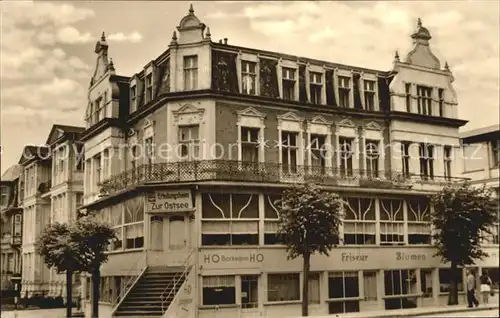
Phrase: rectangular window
(98, 169)
(401, 282)
(372, 157)
(343, 285)
(133, 97)
(250, 144)
(4, 196)
(419, 221)
(369, 88)
(249, 291)
(289, 151)
(189, 141)
(426, 282)
(344, 91)
(441, 102)
(445, 280)
(346, 153)
(18, 225)
(283, 287)
(149, 150)
(370, 285)
(405, 158)
(426, 161)
(316, 87)
(79, 160)
(391, 222)
(424, 97)
(318, 153)
(359, 221)
(149, 87)
(248, 77)
(495, 150)
(408, 97)
(447, 157)
(190, 72)
(79, 199)
(289, 83)
(219, 290)
(133, 223)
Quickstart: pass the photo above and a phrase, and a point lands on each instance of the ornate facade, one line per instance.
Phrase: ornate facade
(186, 157)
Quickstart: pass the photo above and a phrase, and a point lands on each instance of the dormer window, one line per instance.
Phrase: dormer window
(133, 97)
(149, 87)
(424, 95)
(369, 88)
(315, 87)
(288, 83)
(344, 91)
(248, 77)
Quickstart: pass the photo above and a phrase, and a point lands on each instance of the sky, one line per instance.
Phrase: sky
(47, 48)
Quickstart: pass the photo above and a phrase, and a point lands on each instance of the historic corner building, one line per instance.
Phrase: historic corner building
(51, 190)
(208, 215)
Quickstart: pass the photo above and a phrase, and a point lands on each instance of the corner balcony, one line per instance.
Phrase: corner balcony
(230, 171)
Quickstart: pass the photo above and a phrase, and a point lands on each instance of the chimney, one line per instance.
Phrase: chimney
(225, 41)
(220, 41)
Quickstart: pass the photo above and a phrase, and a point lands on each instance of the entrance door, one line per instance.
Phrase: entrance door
(177, 233)
(249, 295)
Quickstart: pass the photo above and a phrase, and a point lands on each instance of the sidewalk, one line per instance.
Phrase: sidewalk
(415, 312)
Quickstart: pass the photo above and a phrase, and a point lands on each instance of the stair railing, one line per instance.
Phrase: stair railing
(129, 282)
(174, 282)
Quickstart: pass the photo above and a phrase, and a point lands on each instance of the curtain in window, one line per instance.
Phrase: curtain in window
(224, 73)
(268, 78)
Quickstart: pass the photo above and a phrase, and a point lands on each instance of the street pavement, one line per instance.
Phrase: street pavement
(481, 313)
(36, 313)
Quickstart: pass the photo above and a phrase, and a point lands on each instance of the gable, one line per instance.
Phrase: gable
(346, 122)
(320, 120)
(251, 112)
(290, 116)
(373, 126)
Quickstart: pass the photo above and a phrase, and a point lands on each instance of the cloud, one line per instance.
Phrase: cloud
(71, 35)
(134, 37)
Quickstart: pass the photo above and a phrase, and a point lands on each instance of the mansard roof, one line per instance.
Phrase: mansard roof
(12, 173)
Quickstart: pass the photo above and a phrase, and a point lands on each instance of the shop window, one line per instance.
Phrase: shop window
(283, 287)
(391, 222)
(400, 289)
(249, 291)
(343, 285)
(359, 222)
(419, 221)
(219, 290)
(370, 285)
(426, 282)
(230, 219)
(445, 280)
(271, 220)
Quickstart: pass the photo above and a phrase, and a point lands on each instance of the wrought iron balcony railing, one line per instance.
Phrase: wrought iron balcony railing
(225, 170)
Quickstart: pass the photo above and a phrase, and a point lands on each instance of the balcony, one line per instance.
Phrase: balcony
(223, 170)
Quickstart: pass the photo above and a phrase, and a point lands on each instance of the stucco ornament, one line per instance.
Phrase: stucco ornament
(421, 54)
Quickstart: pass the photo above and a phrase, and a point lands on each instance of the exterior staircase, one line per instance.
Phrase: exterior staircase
(145, 297)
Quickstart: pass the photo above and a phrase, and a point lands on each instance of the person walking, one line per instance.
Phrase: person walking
(471, 289)
(485, 286)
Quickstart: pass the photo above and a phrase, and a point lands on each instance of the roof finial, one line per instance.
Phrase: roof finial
(111, 65)
(174, 36)
(396, 56)
(103, 36)
(191, 10)
(208, 32)
(419, 22)
(446, 66)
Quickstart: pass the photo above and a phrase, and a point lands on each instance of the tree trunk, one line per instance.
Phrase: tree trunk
(453, 294)
(69, 292)
(96, 278)
(305, 286)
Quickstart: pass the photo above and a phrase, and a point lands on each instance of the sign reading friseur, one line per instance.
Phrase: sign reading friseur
(169, 201)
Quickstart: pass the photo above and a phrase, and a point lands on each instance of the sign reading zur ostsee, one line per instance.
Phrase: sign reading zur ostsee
(169, 201)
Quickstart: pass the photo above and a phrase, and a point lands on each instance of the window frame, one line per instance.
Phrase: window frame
(289, 76)
(190, 71)
(424, 100)
(345, 83)
(247, 75)
(426, 159)
(316, 87)
(346, 152)
(369, 94)
(283, 278)
(290, 150)
(191, 144)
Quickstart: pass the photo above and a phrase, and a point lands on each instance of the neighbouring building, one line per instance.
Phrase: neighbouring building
(11, 217)
(481, 156)
(53, 192)
(186, 158)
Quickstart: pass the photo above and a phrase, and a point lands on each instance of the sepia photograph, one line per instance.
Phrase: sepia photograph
(249, 159)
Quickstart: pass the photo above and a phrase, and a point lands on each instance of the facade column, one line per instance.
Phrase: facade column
(377, 220)
(363, 151)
